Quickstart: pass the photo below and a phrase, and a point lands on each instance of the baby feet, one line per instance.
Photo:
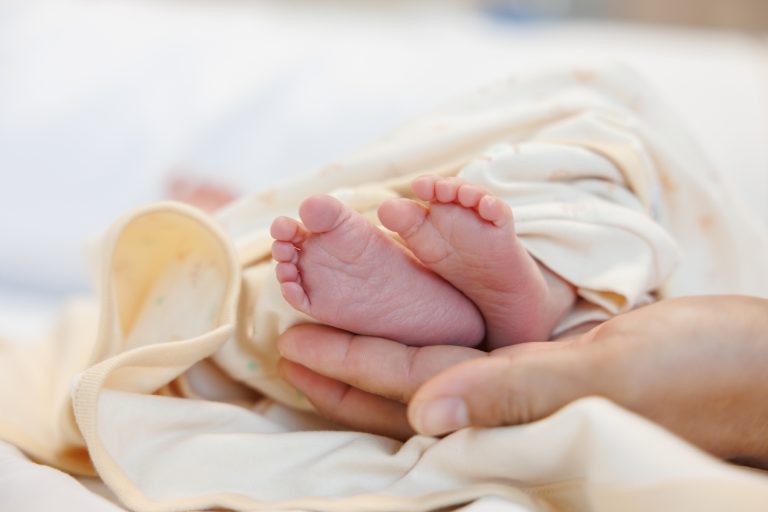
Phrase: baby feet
(338, 268)
(467, 236)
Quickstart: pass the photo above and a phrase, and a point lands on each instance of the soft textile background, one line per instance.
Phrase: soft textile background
(579, 151)
(100, 101)
(250, 96)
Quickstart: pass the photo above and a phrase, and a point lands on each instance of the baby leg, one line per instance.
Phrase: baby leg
(467, 236)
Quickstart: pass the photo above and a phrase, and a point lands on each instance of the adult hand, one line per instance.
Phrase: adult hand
(698, 366)
(366, 382)
(362, 381)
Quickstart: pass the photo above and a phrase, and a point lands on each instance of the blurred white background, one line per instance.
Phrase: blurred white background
(104, 103)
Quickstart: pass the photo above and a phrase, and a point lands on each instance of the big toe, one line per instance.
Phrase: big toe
(402, 216)
(322, 213)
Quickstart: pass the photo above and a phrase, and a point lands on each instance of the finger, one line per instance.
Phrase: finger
(507, 390)
(349, 406)
(520, 349)
(375, 365)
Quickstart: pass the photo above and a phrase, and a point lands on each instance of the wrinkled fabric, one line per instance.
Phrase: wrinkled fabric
(164, 384)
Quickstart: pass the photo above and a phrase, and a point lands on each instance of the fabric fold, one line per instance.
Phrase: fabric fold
(605, 191)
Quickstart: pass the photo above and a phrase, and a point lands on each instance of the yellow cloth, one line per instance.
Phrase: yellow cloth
(155, 385)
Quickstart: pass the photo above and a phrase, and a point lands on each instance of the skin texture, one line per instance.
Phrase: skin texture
(695, 365)
(461, 255)
(341, 270)
(467, 236)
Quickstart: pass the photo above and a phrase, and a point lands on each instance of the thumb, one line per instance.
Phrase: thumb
(507, 389)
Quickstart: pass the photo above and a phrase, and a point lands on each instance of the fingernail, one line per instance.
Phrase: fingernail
(441, 416)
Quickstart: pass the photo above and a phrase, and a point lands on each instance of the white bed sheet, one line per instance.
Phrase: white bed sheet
(99, 101)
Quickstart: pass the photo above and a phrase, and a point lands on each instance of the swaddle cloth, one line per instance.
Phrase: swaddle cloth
(165, 387)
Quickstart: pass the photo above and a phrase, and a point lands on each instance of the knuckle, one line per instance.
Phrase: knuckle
(335, 406)
(516, 407)
(410, 363)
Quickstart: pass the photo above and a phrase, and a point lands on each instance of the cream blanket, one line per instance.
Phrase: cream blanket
(164, 386)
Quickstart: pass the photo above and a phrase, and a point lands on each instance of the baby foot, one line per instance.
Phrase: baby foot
(343, 271)
(467, 236)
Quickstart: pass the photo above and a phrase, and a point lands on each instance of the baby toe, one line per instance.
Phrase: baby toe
(287, 273)
(295, 295)
(424, 187)
(284, 252)
(446, 189)
(494, 210)
(470, 195)
(402, 216)
(286, 229)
